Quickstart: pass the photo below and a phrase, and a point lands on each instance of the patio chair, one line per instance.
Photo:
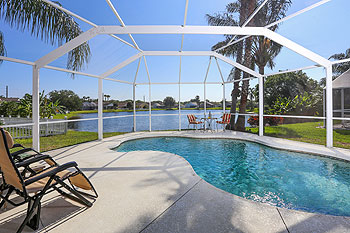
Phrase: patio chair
(29, 155)
(225, 120)
(33, 188)
(192, 120)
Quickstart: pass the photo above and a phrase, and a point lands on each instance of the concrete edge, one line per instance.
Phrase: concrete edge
(300, 150)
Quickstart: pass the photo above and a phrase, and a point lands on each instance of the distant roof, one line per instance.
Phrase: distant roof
(343, 81)
(9, 99)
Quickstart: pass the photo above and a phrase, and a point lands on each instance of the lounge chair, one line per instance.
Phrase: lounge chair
(225, 120)
(192, 120)
(33, 188)
(26, 157)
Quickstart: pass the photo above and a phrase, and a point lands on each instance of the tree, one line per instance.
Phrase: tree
(338, 69)
(47, 108)
(169, 102)
(106, 97)
(47, 23)
(258, 51)
(8, 108)
(129, 105)
(66, 98)
(288, 85)
(196, 100)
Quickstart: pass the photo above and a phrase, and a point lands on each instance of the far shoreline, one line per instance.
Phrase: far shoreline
(75, 114)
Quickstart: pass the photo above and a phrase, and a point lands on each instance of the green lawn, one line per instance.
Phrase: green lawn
(307, 132)
(304, 132)
(59, 141)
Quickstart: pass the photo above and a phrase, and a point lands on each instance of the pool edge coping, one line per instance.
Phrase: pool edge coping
(138, 136)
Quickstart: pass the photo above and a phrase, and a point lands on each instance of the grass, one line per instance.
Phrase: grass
(69, 139)
(307, 132)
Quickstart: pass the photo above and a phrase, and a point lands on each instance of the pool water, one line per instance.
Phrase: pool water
(260, 173)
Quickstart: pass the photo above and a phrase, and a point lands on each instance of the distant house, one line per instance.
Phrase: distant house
(191, 105)
(9, 99)
(142, 106)
(122, 105)
(89, 106)
(209, 105)
(158, 105)
(110, 106)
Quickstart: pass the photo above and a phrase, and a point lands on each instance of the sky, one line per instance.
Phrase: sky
(323, 30)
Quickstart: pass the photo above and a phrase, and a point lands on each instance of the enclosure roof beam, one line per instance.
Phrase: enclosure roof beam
(293, 70)
(239, 66)
(84, 20)
(206, 74)
(298, 12)
(48, 67)
(180, 30)
(121, 65)
(176, 29)
(65, 48)
(17, 60)
(217, 63)
(110, 4)
(185, 19)
(244, 24)
(280, 21)
(341, 61)
(307, 67)
(147, 71)
(178, 53)
(296, 48)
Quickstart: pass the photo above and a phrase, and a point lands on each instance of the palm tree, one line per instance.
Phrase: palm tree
(47, 23)
(258, 51)
(236, 51)
(264, 52)
(338, 69)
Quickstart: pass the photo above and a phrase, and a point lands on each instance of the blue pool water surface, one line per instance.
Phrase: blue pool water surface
(260, 173)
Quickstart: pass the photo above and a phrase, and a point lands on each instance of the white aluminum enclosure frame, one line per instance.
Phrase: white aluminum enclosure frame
(178, 30)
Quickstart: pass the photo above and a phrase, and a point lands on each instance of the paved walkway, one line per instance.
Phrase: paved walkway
(160, 192)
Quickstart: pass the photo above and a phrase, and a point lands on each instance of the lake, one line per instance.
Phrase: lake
(161, 120)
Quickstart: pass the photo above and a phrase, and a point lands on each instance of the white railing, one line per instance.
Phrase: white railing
(49, 127)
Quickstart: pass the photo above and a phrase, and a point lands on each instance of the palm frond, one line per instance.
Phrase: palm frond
(47, 23)
(340, 68)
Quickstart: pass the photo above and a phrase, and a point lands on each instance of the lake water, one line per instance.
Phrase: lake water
(161, 120)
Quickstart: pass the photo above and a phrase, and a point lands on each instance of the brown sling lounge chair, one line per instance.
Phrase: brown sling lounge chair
(33, 188)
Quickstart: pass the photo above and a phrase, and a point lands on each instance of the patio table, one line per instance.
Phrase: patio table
(209, 120)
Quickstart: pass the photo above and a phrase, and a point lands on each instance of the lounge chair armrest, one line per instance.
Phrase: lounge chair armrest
(50, 172)
(23, 151)
(17, 145)
(33, 160)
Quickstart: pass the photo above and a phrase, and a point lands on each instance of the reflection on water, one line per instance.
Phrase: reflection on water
(125, 124)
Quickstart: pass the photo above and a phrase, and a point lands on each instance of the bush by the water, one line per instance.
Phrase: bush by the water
(272, 121)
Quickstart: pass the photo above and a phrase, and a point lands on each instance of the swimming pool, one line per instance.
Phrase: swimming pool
(260, 173)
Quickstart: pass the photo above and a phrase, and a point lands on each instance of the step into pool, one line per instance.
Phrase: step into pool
(260, 173)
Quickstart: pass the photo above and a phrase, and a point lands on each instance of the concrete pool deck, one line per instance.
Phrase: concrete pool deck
(159, 192)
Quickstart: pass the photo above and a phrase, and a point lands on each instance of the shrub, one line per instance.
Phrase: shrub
(273, 121)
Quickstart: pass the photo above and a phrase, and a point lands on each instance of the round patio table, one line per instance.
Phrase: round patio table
(209, 120)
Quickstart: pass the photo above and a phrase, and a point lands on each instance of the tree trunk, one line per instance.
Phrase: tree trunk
(262, 69)
(235, 91)
(240, 125)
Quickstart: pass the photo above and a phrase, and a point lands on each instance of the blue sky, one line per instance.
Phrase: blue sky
(322, 30)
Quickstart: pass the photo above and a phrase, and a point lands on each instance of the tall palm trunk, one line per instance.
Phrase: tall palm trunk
(240, 125)
(235, 90)
(237, 73)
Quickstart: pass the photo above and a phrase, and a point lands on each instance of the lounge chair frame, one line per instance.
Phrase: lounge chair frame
(54, 183)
